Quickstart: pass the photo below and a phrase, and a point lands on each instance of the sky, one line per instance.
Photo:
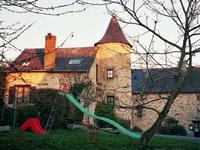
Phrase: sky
(87, 27)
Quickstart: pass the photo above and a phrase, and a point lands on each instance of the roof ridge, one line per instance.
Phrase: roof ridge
(78, 47)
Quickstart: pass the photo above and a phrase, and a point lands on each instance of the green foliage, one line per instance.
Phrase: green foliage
(77, 88)
(22, 113)
(170, 121)
(73, 114)
(125, 123)
(43, 100)
(77, 140)
(104, 110)
(171, 127)
(137, 129)
(6, 116)
(180, 130)
(2, 87)
(25, 112)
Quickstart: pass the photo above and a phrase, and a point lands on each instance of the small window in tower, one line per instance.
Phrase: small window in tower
(111, 100)
(110, 73)
(139, 109)
(74, 61)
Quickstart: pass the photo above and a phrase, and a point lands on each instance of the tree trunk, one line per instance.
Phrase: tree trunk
(147, 135)
(176, 88)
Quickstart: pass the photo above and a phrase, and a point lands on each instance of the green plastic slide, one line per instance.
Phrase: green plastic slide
(90, 114)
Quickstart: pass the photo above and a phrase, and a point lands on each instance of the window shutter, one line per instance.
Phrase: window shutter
(11, 95)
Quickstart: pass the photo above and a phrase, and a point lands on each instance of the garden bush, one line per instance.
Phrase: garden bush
(125, 123)
(25, 112)
(137, 129)
(21, 114)
(44, 100)
(171, 127)
(180, 130)
(6, 116)
(104, 110)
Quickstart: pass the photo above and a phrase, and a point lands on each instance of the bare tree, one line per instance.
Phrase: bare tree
(184, 16)
(178, 49)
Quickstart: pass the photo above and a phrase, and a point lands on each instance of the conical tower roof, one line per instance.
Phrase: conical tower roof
(114, 33)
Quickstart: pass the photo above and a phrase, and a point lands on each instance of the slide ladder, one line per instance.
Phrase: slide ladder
(51, 118)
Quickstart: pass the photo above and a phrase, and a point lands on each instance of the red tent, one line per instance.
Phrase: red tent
(34, 125)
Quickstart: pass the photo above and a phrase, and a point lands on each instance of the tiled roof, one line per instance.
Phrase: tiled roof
(114, 33)
(160, 80)
(77, 52)
(33, 59)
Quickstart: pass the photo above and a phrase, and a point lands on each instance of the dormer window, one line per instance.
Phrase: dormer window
(26, 63)
(110, 73)
(74, 61)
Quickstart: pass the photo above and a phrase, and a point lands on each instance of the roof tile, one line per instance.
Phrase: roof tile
(114, 33)
(161, 80)
(33, 59)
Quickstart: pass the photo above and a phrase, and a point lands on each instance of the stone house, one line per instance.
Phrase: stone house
(107, 64)
(157, 85)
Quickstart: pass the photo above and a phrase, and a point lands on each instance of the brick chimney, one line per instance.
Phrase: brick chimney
(49, 51)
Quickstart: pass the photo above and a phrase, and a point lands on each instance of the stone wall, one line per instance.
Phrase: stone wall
(184, 110)
(115, 56)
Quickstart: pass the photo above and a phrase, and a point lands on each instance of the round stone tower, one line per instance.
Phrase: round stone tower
(114, 69)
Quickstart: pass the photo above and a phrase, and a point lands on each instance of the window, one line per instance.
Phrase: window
(74, 61)
(139, 111)
(111, 100)
(22, 94)
(26, 64)
(110, 73)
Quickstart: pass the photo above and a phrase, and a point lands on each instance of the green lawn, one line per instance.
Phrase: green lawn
(77, 140)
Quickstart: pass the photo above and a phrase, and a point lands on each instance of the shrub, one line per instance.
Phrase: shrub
(7, 117)
(170, 121)
(166, 130)
(2, 83)
(137, 129)
(77, 88)
(25, 112)
(44, 100)
(171, 127)
(104, 110)
(180, 130)
(21, 114)
(125, 123)
(73, 114)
